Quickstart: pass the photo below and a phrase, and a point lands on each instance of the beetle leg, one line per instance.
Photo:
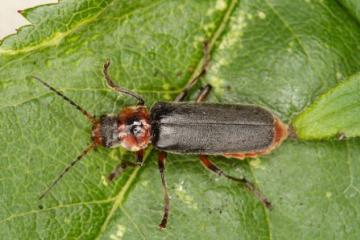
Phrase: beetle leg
(247, 184)
(120, 168)
(204, 93)
(140, 157)
(203, 71)
(161, 165)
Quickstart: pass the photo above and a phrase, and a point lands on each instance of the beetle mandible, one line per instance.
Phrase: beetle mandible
(230, 130)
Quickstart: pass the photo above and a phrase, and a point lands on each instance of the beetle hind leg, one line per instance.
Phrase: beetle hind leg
(246, 183)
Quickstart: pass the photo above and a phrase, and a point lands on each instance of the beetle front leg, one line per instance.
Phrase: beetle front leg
(140, 157)
(161, 165)
(120, 168)
(247, 184)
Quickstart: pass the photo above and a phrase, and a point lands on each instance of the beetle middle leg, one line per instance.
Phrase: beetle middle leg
(247, 184)
(161, 165)
(121, 167)
(204, 92)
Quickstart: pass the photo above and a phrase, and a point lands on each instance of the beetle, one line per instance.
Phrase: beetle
(230, 130)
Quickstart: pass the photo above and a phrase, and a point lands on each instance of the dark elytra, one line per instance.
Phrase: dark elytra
(209, 128)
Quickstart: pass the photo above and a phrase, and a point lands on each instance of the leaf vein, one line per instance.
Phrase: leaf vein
(22, 214)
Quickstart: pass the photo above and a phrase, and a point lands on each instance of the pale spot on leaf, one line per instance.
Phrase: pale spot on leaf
(104, 181)
(339, 76)
(256, 163)
(261, 15)
(183, 196)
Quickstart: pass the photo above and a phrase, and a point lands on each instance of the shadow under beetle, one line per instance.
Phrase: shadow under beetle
(233, 131)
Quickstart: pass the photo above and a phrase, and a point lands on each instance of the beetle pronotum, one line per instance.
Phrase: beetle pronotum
(233, 131)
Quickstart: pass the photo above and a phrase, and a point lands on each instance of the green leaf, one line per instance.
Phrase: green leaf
(275, 53)
(353, 7)
(335, 113)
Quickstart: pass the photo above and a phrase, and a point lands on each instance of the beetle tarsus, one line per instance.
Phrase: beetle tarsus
(163, 223)
(251, 188)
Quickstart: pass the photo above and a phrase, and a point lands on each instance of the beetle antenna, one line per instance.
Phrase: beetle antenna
(78, 158)
(117, 88)
(89, 116)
